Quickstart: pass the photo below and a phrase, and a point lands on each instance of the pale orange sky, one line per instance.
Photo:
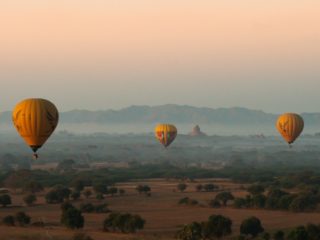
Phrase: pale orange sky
(117, 53)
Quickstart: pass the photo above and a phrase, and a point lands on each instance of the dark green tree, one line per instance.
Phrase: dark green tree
(72, 218)
(125, 223)
(75, 195)
(278, 235)
(8, 220)
(313, 231)
(113, 191)
(182, 187)
(298, 233)
(251, 226)
(256, 189)
(23, 219)
(192, 231)
(30, 199)
(259, 200)
(100, 188)
(33, 187)
(217, 226)
(224, 197)
(5, 200)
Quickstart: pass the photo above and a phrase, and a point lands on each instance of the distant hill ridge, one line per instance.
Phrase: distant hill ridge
(173, 114)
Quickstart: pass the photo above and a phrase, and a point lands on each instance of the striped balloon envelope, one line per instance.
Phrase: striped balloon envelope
(166, 133)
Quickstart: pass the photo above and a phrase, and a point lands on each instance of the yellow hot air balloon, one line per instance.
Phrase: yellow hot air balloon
(166, 133)
(35, 120)
(290, 126)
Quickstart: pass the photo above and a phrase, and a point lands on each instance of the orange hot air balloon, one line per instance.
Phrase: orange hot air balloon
(166, 133)
(290, 126)
(35, 120)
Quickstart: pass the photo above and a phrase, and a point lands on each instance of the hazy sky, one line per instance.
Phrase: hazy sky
(101, 54)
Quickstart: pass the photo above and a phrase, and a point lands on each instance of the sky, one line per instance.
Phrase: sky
(110, 54)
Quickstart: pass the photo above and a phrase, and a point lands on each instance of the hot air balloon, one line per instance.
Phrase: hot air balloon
(35, 120)
(166, 133)
(290, 126)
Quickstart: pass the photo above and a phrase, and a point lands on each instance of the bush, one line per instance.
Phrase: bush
(298, 233)
(87, 208)
(30, 199)
(32, 187)
(99, 196)
(209, 187)
(182, 187)
(102, 208)
(240, 203)
(251, 226)
(90, 208)
(214, 204)
(125, 223)
(216, 227)
(224, 197)
(5, 200)
(8, 220)
(72, 218)
(23, 219)
(58, 194)
(75, 195)
(188, 201)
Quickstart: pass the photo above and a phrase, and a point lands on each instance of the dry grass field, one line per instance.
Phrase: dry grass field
(161, 211)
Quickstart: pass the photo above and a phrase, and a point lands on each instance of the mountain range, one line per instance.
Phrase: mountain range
(173, 114)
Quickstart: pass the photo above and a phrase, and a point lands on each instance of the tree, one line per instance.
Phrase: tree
(298, 233)
(188, 201)
(265, 236)
(214, 204)
(313, 231)
(23, 219)
(58, 194)
(259, 200)
(143, 189)
(303, 202)
(87, 193)
(113, 191)
(240, 203)
(182, 187)
(75, 195)
(5, 200)
(65, 206)
(8, 220)
(100, 188)
(251, 226)
(126, 223)
(99, 196)
(78, 185)
(72, 218)
(209, 187)
(30, 199)
(192, 231)
(278, 235)
(256, 189)
(87, 208)
(33, 187)
(224, 197)
(217, 226)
